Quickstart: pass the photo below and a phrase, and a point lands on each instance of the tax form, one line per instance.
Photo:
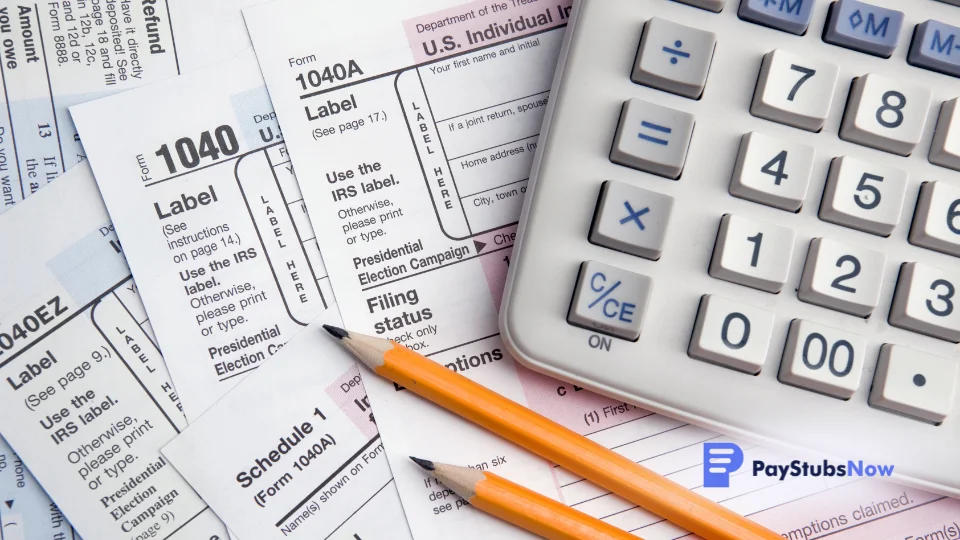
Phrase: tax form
(26, 511)
(208, 209)
(86, 399)
(413, 135)
(59, 53)
(293, 451)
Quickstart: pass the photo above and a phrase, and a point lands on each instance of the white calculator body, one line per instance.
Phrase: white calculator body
(746, 214)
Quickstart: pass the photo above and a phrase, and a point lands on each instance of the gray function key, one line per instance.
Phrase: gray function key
(652, 138)
(936, 46)
(788, 15)
(674, 58)
(864, 27)
(631, 219)
(710, 5)
(610, 300)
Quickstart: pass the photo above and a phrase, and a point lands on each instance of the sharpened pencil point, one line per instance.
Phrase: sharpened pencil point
(428, 465)
(338, 333)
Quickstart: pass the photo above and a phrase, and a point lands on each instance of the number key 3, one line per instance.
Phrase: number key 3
(925, 302)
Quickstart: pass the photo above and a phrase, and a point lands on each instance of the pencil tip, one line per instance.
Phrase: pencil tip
(336, 332)
(428, 465)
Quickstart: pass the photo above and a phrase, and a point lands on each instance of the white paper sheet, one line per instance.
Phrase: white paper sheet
(63, 52)
(207, 205)
(251, 458)
(86, 399)
(413, 133)
(25, 509)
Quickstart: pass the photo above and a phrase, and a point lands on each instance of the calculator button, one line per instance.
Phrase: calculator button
(925, 302)
(794, 90)
(842, 277)
(610, 300)
(933, 48)
(752, 253)
(863, 27)
(788, 15)
(631, 219)
(652, 138)
(709, 5)
(914, 383)
(885, 114)
(945, 148)
(674, 58)
(863, 196)
(771, 171)
(822, 359)
(731, 334)
(936, 224)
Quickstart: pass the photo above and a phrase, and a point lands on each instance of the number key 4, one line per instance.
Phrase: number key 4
(885, 114)
(794, 90)
(924, 302)
(772, 172)
(864, 196)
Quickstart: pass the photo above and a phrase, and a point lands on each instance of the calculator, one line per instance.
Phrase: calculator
(745, 214)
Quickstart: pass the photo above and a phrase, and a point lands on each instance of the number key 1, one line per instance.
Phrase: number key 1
(925, 302)
(864, 196)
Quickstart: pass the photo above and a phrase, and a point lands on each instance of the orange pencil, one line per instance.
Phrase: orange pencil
(550, 440)
(524, 508)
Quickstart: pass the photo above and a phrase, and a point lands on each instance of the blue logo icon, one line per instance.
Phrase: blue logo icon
(719, 460)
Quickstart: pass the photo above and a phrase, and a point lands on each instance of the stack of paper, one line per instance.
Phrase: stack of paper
(412, 127)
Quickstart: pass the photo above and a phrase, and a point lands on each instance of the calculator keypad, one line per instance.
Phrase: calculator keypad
(914, 384)
(674, 58)
(885, 114)
(882, 113)
(652, 138)
(842, 277)
(863, 196)
(631, 219)
(752, 253)
(794, 90)
(936, 223)
(822, 359)
(772, 171)
(731, 334)
(925, 302)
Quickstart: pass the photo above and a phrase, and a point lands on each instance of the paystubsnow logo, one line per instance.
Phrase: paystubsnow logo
(722, 459)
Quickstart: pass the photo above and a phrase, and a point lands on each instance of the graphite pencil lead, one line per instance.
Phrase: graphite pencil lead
(336, 332)
(428, 465)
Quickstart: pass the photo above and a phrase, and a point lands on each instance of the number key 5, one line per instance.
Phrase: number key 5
(925, 302)
(863, 196)
(885, 114)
